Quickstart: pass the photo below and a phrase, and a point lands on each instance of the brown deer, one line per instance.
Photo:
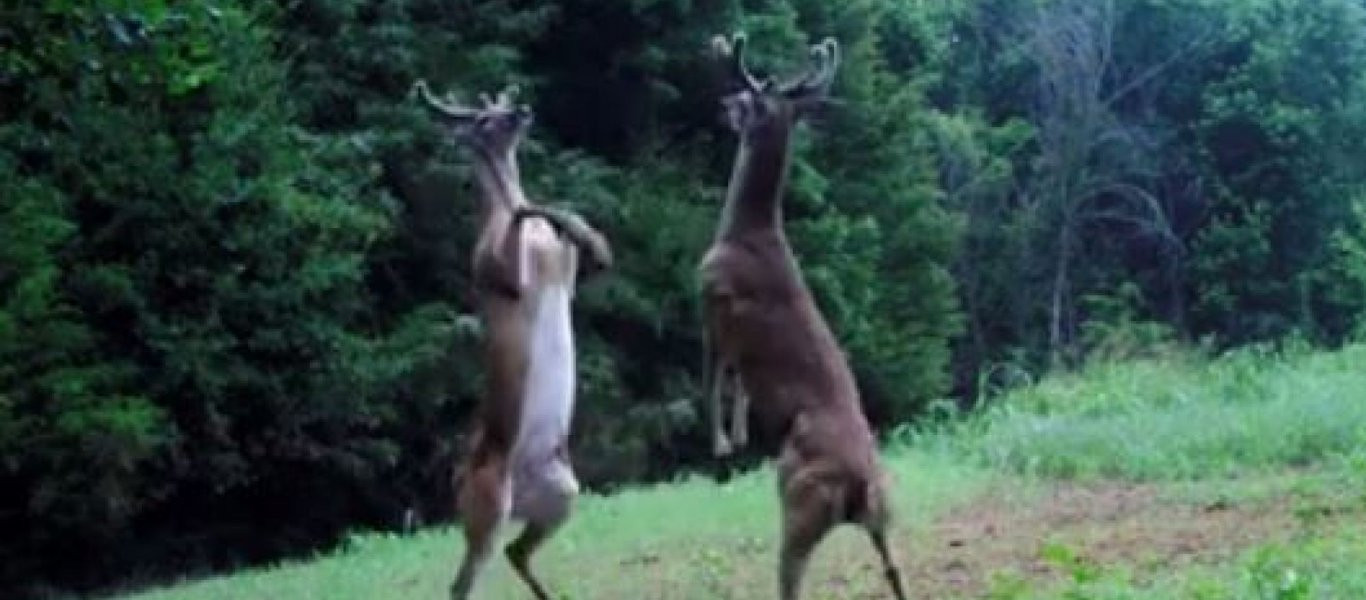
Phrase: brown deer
(761, 320)
(525, 266)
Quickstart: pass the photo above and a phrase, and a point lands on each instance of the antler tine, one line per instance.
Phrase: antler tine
(508, 95)
(832, 61)
(446, 108)
(501, 101)
(825, 59)
(735, 51)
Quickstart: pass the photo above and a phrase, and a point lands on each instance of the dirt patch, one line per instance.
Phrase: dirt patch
(1025, 537)
(1103, 525)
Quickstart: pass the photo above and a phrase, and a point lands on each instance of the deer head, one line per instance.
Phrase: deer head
(496, 128)
(764, 105)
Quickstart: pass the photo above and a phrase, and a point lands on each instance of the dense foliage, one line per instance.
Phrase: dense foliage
(234, 308)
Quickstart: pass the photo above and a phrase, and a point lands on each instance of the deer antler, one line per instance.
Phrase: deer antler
(825, 59)
(447, 107)
(735, 51)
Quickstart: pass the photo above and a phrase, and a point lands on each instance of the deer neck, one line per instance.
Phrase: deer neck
(500, 182)
(754, 195)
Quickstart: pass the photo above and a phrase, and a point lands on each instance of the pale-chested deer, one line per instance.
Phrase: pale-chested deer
(525, 266)
(761, 321)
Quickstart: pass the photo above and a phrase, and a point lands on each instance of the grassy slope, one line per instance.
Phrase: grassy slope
(1178, 418)
(1281, 438)
(675, 541)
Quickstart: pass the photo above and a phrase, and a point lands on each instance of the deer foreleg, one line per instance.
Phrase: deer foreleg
(739, 419)
(713, 377)
(721, 445)
(579, 232)
(503, 269)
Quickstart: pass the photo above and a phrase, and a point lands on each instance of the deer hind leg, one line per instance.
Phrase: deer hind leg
(520, 550)
(484, 504)
(808, 515)
(876, 520)
(545, 506)
(889, 568)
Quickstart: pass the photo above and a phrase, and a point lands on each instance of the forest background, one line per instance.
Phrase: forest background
(235, 307)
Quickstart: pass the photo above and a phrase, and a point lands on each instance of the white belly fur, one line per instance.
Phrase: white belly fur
(549, 399)
(542, 483)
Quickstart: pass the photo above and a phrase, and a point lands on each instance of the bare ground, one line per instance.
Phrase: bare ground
(1143, 529)
(1103, 524)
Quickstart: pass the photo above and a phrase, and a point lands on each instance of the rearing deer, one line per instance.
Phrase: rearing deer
(761, 321)
(524, 272)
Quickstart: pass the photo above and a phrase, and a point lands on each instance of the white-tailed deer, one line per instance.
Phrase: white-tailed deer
(525, 265)
(761, 321)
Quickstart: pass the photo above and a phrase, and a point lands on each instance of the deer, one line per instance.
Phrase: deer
(525, 268)
(761, 321)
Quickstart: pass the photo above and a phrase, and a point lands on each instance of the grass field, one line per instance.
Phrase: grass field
(1241, 477)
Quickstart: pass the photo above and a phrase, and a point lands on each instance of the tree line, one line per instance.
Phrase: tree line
(235, 307)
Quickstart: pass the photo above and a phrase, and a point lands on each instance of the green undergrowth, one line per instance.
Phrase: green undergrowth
(1171, 418)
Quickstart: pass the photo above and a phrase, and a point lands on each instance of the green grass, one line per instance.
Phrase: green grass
(668, 541)
(1284, 435)
(1175, 418)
